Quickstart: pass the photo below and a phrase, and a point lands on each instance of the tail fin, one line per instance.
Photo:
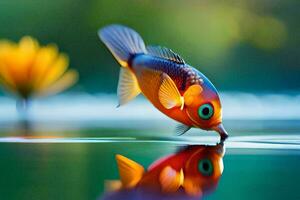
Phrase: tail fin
(130, 171)
(122, 42)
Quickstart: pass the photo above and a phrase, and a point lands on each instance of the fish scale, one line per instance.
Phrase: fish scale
(183, 75)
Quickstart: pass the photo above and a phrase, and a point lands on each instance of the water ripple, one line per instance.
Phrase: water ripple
(289, 142)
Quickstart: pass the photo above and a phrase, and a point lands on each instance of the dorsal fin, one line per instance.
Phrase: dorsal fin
(130, 171)
(165, 53)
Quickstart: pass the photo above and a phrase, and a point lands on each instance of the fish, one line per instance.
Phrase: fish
(174, 87)
(191, 173)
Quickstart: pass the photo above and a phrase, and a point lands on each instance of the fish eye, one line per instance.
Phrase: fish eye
(206, 111)
(205, 167)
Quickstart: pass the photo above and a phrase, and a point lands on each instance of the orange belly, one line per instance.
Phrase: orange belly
(149, 82)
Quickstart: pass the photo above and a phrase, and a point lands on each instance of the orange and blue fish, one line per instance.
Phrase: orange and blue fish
(191, 173)
(166, 80)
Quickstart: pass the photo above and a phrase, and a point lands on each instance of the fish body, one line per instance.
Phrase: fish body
(183, 76)
(175, 88)
(193, 171)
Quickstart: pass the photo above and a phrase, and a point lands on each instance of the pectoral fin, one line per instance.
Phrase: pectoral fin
(130, 171)
(170, 179)
(191, 93)
(169, 95)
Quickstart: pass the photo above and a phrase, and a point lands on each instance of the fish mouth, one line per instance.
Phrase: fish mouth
(221, 130)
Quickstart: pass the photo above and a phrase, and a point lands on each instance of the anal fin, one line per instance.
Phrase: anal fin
(130, 171)
(128, 87)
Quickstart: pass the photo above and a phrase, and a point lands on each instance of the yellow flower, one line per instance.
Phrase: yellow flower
(30, 70)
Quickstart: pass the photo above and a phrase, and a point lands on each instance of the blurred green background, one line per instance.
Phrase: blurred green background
(246, 45)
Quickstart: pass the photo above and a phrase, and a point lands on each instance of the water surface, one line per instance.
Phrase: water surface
(261, 166)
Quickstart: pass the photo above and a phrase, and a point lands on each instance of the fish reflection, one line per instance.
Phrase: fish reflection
(191, 173)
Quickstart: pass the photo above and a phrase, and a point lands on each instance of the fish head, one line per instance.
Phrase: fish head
(203, 169)
(205, 111)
